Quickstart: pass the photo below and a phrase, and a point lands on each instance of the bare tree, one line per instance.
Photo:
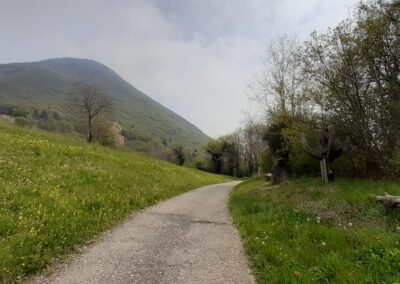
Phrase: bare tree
(92, 103)
(252, 145)
(278, 86)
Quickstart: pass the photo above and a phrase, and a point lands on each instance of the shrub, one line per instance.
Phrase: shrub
(179, 155)
(266, 161)
(47, 125)
(201, 163)
(56, 115)
(13, 111)
(22, 122)
(285, 131)
(108, 133)
(44, 115)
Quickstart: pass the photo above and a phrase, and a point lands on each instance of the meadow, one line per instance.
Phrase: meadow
(58, 193)
(306, 232)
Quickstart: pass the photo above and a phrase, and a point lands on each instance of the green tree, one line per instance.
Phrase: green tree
(353, 75)
(216, 149)
(179, 155)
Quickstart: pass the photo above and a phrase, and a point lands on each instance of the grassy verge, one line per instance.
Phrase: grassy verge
(307, 232)
(56, 194)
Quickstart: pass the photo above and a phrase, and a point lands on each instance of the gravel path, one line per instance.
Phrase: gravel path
(187, 239)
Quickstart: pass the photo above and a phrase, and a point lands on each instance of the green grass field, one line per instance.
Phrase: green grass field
(307, 232)
(56, 194)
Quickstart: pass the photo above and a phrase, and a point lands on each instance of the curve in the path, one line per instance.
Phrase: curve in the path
(187, 239)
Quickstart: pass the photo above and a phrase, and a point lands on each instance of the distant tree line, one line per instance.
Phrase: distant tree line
(236, 154)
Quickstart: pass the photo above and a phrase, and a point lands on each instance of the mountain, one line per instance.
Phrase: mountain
(42, 92)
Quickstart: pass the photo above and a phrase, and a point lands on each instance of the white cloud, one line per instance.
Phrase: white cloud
(196, 57)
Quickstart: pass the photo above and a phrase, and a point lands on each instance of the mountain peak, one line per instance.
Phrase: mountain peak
(49, 83)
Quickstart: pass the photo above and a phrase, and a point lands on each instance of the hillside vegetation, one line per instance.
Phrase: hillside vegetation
(41, 93)
(308, 232)
(57, 193)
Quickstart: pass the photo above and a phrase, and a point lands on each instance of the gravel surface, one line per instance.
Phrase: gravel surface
(186, 239)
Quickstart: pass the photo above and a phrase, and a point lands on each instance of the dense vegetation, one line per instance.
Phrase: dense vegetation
(307, 232)
(39, 94)
(336, 99)
(57, 193)
(347, 79)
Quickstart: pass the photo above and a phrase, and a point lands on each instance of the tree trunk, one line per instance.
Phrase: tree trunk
(90, 132)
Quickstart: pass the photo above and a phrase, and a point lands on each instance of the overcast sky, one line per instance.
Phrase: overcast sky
(194, 56)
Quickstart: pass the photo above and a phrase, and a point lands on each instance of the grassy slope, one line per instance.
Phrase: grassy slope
(306, 232)
(57, 193)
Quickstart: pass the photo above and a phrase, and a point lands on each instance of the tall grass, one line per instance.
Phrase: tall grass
(56, 194)
(307, 232)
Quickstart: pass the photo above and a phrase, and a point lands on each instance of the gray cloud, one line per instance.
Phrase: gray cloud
(196, 57)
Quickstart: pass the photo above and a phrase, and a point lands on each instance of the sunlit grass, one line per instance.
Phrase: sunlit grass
(306, 232)
(57, 193)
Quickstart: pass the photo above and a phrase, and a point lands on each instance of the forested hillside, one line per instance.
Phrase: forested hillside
(40, 94)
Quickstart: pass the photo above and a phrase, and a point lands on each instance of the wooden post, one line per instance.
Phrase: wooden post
(324, 172)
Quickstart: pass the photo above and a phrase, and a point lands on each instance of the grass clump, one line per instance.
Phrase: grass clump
(57, 193)
(308, 232)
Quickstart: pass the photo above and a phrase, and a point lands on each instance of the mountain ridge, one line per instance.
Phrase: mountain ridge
(49, 83)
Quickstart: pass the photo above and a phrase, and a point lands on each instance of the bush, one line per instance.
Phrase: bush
(47, 125)
(159, 151)
(201, 163)
(63, 127)
(44, 115)
(22, 122)
(13, 111)
(285, 131)
(108, 134)
(56, 115)
(266, 161)
(179, 155)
